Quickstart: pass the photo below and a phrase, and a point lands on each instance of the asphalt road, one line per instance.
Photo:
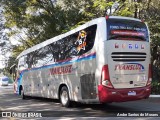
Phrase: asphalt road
(49, 108)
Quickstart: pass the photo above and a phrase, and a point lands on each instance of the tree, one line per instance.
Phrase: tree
(34, 21)
(4, 42)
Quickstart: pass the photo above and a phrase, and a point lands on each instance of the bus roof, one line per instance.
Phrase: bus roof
(120, 17)
(49, 41)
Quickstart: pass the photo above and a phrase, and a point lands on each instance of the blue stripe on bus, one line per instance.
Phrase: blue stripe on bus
(79, 59)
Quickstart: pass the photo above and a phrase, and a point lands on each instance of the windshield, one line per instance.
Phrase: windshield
(120, 29)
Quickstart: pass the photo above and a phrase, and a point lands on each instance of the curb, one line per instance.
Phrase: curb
(155, 96)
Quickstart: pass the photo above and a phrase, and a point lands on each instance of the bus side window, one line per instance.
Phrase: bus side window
(22, 63)
(29, 60)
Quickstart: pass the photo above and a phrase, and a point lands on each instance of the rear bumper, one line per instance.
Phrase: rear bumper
(121, 95)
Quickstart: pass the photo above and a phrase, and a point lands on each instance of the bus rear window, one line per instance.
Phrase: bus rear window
(119, 29)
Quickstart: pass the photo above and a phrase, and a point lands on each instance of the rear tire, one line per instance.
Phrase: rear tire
(23, 96)
(64, 97)
(22, 93)
(20, 90)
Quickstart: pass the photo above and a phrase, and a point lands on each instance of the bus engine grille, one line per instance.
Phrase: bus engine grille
(128, 56)
(88, 86)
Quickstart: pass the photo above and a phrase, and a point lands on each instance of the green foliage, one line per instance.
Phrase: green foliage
(155, 87)
(43, 19)
(125, 12)
(101, 5)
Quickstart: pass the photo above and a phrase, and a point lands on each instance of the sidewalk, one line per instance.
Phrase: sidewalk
(154, 96)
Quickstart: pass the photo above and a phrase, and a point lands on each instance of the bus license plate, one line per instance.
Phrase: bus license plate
(131, 93)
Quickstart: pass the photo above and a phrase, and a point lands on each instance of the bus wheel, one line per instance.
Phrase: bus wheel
(22, 94)
(20, 90)
(64, 97)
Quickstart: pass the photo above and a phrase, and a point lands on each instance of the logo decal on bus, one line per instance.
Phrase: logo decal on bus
(136, 46)
(130, 46)
(129, 66)
(61, 70)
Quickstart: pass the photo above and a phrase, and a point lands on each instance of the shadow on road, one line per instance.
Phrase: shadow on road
(52, 108)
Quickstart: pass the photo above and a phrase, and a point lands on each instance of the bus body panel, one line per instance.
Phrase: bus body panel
(44, 82)
(129, 83)
(128, 67)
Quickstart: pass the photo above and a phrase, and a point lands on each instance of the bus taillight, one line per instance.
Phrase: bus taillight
(105, 79)
(149, 75)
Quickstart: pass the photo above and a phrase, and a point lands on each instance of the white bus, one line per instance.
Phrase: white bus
(105, 60)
